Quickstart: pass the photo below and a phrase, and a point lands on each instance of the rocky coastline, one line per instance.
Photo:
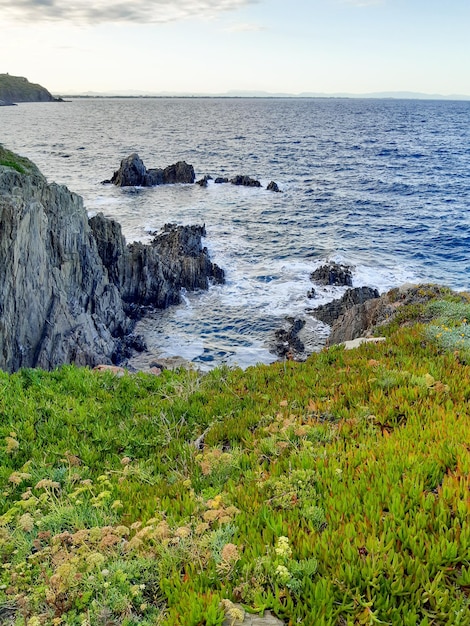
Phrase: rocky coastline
(71, 286)
(354, 318)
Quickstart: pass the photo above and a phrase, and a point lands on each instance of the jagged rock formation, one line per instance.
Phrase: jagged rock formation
(154, 274)
(329, 312)
(361, 320)
(18, 89)
(333, 274)
(133, 173)
(67, 286)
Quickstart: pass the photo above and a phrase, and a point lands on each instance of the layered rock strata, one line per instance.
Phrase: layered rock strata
(68, 285)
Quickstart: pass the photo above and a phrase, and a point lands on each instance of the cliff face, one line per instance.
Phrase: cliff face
(19, 89)
(68, 286)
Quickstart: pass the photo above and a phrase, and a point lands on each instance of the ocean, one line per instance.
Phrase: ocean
(381, 185)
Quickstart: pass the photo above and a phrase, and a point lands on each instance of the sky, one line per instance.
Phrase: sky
(217, 46)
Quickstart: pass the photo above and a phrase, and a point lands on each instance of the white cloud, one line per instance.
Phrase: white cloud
(100, 11)
(364, 3)
(244, 27)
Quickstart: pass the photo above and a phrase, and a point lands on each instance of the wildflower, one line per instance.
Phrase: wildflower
(47, 483)
(26, 522)
(96, 558)
(11, 445)
(182, 532)
(230, 553)
(283, 548)
(282, 574)
(17, 477)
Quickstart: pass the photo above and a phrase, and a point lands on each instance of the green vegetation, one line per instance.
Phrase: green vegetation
(19, 89)
(18, 163)
(333, 492)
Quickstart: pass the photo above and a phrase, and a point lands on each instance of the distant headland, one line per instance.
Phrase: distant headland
(14, 89)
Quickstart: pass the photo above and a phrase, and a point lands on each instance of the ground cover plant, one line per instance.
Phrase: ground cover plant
(332, 492)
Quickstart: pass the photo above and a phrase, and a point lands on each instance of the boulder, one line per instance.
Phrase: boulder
(133, 173)
(333, 274)
(272, 186)
(329, 313)
(221, 179)
(203, 182)
(245, 181)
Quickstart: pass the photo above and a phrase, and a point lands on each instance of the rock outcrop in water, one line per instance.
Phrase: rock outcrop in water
(70, 284)
(333, 274)
(133, 173)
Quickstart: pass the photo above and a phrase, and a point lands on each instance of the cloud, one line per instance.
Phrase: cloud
(244, 27)
(364, 3)
(100, 11)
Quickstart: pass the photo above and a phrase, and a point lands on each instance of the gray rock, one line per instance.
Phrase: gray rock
(362, 320)
(287, 344)
(154, 274)
(272, 186)
(70, 285)
(203, 182)
(221, 179)
(329, 313)
(332, 274)
(245, 181)
(56, 303)
(133, 173)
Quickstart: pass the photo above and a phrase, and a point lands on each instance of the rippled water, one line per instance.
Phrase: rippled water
(383, 185)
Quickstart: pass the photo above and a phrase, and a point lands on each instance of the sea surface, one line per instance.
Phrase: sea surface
(382, 185)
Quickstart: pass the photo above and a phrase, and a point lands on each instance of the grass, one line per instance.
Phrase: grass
(332, 492)
(18, 163)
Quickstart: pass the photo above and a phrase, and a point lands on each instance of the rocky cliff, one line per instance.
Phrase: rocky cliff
(68, 285)
(19, 89)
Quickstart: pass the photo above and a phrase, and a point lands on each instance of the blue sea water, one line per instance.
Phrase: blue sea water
(382, 185)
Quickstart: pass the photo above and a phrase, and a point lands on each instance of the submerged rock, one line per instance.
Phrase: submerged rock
(133, 173)
(69, 284)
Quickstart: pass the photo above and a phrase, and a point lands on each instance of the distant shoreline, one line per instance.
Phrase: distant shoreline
(415, 97)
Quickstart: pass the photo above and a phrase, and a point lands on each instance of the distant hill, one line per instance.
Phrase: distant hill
(15, 89)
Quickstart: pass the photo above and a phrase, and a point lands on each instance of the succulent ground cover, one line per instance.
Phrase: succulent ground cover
(332, 492)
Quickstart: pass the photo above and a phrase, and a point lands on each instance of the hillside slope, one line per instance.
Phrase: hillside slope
(332, 492)
(15, 89)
